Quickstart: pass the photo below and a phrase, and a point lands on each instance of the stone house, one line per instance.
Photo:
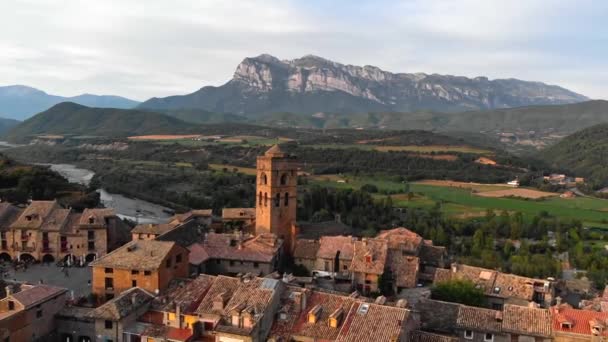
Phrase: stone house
(479, 325)
(28, 314)
(368, 265)
(75, 324)
(148, 264)
(305, 253)
(112, 318)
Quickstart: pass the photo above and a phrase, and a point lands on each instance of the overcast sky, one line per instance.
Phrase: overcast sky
(140, 49)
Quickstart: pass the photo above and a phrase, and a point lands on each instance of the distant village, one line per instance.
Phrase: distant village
(206, 278)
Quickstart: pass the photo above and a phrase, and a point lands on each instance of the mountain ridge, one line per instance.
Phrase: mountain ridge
(311, 84)
(21, 102)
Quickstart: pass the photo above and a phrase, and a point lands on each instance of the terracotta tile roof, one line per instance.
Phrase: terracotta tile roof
(327, 305)
(329, 245)
(180, 218)
(140, 255)
(306, 249)
(437, 316)
(372, 322)
(97, 215)
(56, 220)
(402, 239)
(187, 293)
(481, 277)
(166, 333)
(441, 275)
(223, 287)
(238, 213)
(510, 285)
(34, 215)
(36, 294)
(580, 321)
(153, 228)
(198, 254)
(370, 256)
(122, 306)
(275, 151)
(261, 248)
(526, 321)
(479, 319)
(71, 225)
(404, 268)
(423, 336)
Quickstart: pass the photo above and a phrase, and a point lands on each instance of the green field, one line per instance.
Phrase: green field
(458, 202)
(408, 148)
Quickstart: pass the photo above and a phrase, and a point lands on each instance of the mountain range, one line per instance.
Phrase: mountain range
(21, 102)
(311, 84)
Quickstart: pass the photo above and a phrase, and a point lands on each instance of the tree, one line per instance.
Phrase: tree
(458, 291)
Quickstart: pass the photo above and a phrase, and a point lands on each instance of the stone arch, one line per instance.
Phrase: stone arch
(263, 178)
(27, 258)
(90, 257)
(5, 257)
(284, 179)
(48, 258)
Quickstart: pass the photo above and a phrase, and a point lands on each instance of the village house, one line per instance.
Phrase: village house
(575, 325)
(148, 264)
(501, 288)
(239, 218)
(305, 253)
(112, 318)
(369, 265)
(467, 323)
(74, 323)
(149, 231)
(44, 231)
(28, 313)
(314, 315)
(232, 254)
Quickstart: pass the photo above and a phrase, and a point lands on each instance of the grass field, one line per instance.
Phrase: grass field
(408, 148)
(243, 140)
(463, 203)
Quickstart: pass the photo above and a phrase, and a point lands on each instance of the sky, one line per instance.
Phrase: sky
(141, 49)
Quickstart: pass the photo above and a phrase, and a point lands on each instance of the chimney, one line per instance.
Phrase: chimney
(454, 267)
(178, 312)
(9, 290)
(498, 316)
(558, 301)
(299, 301)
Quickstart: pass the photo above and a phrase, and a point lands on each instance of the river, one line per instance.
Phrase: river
(131, 208)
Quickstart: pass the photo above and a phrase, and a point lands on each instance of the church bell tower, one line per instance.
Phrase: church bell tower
(276, 194)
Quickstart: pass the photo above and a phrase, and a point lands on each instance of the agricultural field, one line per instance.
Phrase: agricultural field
(462, 200)
(408, 148)
(244, 170)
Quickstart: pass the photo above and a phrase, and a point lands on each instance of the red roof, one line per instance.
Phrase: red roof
(580, 320)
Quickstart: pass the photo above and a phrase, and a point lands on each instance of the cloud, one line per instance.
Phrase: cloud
(157, 48)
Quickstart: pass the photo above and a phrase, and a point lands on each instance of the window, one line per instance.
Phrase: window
(39, 313)
(260, 198)
(218, 261)
(91, 245)
(231, 262)
(109, 283)
(178, 258)
(11, 305)
(168, 263)
(108, 324)
(256, 265)
(91, 235)
(277, 200)
(265, 199)
(468, 334)
(147, 273)
(286, 199)
(134, 272)
(284, 179)
(264, 179)
(133, 283)
(109, 270)
(488, 337)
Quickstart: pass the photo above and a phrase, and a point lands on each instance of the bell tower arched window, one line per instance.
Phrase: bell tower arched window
(260, 198)
(277, 200)
(284, 179)
(264, 179)
(286, 199)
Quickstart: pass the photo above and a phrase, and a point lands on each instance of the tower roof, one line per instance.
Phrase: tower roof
(275, 151)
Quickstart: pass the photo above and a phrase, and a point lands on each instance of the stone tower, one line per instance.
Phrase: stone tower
(276, 195)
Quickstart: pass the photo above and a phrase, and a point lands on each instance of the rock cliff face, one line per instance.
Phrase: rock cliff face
(312, 84)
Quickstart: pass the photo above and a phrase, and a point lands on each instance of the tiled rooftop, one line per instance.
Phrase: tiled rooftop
(34, 215)
(223, 287)
(370, 256)
(261, 248)
(329, 245)
(480, 319)
(526, 321)
(238, 213)
(187, 293)
(423, 336)
(96, 217)
(36, 294)
(198, 254)
(306, 249)
(140, 255)
(122, 306)
(8, 214)
(437, 315)
(573, 321)
(153, 228)
(402, 239)
(372, 322)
